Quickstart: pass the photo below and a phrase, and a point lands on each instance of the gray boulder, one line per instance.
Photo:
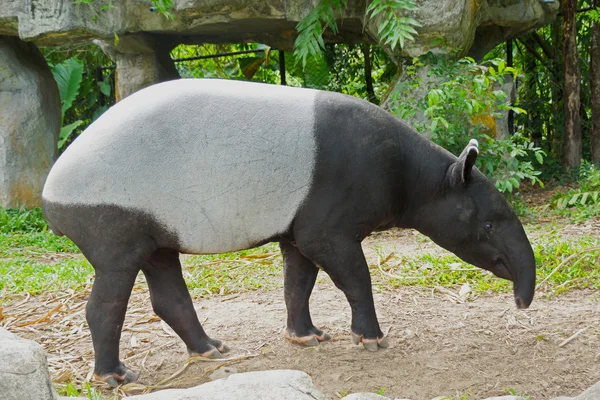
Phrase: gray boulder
(593, 393)
(461, 24)
(23, 370)
(365, 396)
(262, 385)
(29, 122)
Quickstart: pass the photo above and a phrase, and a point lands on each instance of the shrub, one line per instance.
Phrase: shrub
(461, 101)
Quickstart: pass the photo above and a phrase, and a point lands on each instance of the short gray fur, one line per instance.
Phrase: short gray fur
(174, 151)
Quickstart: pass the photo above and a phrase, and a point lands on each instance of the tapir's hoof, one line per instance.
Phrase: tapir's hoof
(216, 348)
(222, 347)
(371, 344)
(211, 354)
(115, 379)
(308, 340)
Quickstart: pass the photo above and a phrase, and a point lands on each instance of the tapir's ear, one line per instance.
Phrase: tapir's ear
(461, 169)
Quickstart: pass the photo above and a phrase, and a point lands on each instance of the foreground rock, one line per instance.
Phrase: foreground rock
(592, 393)
(23, 370)
(261, 385)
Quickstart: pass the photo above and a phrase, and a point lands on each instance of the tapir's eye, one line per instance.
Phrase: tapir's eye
(488, 226)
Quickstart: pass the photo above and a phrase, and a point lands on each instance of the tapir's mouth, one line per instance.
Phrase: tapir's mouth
(500, 269)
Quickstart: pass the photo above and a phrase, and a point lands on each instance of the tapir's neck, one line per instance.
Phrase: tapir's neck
(425, 165)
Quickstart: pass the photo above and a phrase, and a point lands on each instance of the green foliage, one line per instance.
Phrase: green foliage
(341, 70)
(163, 7)
(69, 390)
(346, 70)
(585, 199)
(260, 66)
(462, 101)
(68, 76)
(594, 14)
(394, 30)
(309, 42)
(74, 70)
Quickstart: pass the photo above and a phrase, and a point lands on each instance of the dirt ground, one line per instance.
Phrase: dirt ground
(440, 344)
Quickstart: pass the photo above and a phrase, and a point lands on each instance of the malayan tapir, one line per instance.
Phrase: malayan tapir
(212, 166)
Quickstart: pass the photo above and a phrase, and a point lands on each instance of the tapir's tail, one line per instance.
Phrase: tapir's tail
(51, 225)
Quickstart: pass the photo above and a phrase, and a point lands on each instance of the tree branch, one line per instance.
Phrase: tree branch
(537, 55)
(544, 45)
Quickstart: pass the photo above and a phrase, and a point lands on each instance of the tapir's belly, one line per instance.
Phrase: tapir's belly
(220, 165)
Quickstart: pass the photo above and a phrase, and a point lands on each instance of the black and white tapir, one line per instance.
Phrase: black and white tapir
(212, 166)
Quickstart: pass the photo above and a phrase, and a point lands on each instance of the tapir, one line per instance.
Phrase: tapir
(211, 166)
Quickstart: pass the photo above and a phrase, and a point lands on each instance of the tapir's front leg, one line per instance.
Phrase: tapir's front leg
(300, 275)
(342, 259)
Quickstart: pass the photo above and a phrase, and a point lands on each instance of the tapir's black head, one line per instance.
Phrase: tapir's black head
(471, 218)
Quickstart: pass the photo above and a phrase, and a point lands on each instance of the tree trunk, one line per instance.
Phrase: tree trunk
(557, 119)
(572, 157)
(595, 85)
(366, 50)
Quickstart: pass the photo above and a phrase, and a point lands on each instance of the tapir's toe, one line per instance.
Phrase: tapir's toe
(312, 339)
(122, 377)
(219, 345)
(211, 354)
(371, 344)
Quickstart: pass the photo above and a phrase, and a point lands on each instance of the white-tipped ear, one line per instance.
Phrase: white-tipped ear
(461, 171)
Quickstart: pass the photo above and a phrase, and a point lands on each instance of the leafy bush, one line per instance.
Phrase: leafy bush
(461, 101)
(586, 195)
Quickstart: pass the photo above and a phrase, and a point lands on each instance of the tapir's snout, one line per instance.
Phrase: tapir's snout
(524, 282)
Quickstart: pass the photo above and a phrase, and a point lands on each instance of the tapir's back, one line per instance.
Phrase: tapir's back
(221, 164)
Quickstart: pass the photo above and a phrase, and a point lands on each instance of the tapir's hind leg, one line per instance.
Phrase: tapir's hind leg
(171, 301)
(300, 275)
(105, 311)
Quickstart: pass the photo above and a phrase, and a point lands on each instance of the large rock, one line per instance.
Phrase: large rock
(142, 60)
(475, 25)
(265, 385)
(365, 396)
(30, 121)
(592, 393)
(501, 20)
(23, 370)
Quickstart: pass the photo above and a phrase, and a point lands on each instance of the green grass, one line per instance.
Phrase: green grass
(449, 271)
(258, 268)
(34, 260)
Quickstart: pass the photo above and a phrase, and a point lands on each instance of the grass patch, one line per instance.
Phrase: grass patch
(253, 269)
(22, 220)
(35, 277)
(449, 271)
